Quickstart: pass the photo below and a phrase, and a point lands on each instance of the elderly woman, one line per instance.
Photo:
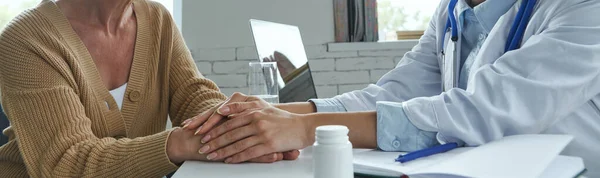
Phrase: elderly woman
(88, 86)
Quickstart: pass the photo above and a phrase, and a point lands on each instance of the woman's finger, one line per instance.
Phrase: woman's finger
(291, 155)
(214, 119)
(268, 158)
(252, 152)
(198, 120)
(184, 124)
(227, 139)
(279, 157)
(238, 107)
(234, 148)
(228, 126)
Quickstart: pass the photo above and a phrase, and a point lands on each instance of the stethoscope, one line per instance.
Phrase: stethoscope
(515, 36)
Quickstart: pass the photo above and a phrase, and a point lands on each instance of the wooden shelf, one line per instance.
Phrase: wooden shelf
(405, 35)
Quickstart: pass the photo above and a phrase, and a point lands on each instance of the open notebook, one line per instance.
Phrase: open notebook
(515, 156)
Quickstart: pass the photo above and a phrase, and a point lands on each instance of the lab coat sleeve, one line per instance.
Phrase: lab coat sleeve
(416, 75)
(524, 91)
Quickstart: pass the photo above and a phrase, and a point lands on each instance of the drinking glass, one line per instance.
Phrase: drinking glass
(263, 81)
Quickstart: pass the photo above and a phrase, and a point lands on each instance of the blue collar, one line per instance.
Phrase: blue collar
(487, 13)
(490, 11)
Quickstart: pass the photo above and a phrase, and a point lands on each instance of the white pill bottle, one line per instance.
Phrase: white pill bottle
(332, 153)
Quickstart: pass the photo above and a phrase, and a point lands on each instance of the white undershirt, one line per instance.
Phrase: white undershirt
(118, 94)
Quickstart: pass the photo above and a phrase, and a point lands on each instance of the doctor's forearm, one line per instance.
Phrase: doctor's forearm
(298, 107)
(362, 125)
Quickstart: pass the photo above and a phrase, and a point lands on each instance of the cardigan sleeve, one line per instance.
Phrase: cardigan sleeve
(52, 129)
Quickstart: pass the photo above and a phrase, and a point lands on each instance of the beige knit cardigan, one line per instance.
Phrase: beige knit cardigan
(65, 123)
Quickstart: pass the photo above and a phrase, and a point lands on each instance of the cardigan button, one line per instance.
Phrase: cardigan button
(134, 96)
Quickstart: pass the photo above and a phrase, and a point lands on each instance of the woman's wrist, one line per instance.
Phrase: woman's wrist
(298, 107)
(173, 151)
(183, 145)
(307, 121)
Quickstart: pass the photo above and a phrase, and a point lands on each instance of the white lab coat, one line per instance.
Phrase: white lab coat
(551, 85)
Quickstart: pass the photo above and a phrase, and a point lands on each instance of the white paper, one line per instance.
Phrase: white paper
(374, 162)
(564, 167)
(513, 156)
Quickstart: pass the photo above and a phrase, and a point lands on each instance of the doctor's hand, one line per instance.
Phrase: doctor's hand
(208, 120)
(217, 115)
(255, 132)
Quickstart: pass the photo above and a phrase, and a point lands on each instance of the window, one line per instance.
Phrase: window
(404, 19)
(11, 8)
(167, 3)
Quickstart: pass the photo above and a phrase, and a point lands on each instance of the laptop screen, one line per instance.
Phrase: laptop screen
(282, 43)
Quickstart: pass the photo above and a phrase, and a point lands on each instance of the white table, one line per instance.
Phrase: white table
(300, 168)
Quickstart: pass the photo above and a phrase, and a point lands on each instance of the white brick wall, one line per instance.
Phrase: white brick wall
(349, 88)
(377, 74)
(326, 91)
(339, 78)
(337, 68)
(221, 54)
(204, 67)
(231, 67)
(363, 63)
(229, 81)
(391, 53)
(248, 53)
(317, 65)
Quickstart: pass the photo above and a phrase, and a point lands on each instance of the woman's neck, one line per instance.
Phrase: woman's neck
(110, 14)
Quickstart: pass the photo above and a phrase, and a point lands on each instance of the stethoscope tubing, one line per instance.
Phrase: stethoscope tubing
(517, 31)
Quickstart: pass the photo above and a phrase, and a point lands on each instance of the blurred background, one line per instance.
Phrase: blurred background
(218, 35)
(394, 15)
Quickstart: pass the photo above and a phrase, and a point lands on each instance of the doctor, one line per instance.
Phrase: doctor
(482, 71)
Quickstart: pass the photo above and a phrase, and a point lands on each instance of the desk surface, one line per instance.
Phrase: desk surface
(302, 168)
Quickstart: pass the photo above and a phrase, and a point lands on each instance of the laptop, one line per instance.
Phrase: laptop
(282, 43)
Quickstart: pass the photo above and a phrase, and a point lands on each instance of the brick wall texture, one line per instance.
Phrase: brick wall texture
(333, 73)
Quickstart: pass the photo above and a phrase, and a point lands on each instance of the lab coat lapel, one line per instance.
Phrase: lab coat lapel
(461, 7)
(451, 72)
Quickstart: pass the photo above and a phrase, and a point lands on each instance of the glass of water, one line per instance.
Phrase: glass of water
(263, 78)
